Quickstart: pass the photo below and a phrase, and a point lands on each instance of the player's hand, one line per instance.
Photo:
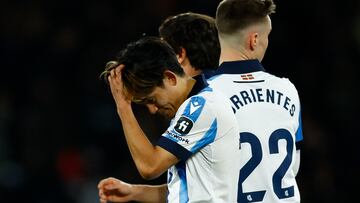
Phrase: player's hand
(117, 87)
(114, 190)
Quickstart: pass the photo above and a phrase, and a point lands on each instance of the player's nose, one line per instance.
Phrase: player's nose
(152, 108)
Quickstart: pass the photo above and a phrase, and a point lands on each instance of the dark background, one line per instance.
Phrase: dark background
(59, 132)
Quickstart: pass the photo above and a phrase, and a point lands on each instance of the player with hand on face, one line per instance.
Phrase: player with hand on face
(197, 147)
(194, 39)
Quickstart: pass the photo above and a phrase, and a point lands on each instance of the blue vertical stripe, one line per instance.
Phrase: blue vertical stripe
(299, 134)
(184, 197)
(208, 137)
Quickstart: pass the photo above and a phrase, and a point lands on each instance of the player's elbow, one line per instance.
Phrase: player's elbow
(147, 176)
(155, 163)
(149, 172)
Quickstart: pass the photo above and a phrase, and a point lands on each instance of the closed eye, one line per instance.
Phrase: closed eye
(146, 100)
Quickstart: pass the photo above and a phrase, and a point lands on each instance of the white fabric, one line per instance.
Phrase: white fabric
(263, 104)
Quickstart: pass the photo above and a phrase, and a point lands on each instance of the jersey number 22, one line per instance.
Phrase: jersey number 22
(256, 150)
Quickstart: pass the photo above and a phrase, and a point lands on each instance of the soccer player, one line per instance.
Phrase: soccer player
(267, 107)
(194, 38)
(197, 147)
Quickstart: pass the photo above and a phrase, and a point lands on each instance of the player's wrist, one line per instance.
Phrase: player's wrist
(123, 109)
(137, 192)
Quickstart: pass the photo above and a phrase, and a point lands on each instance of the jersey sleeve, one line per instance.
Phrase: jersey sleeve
(193, 127)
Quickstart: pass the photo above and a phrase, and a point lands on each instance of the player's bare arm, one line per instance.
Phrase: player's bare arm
(151, 161)
(114, 190)
(123, 101)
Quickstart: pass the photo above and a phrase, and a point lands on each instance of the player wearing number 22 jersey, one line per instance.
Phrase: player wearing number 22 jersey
(267, 110)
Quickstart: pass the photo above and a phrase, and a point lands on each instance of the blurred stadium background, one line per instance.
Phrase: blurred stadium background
(59, 132)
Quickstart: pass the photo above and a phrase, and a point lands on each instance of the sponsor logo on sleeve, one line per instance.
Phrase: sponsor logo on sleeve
(183, 125)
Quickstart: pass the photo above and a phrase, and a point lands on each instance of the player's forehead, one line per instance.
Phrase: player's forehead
(147, 98)
(156, 91)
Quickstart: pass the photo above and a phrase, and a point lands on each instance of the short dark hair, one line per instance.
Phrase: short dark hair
(197, 34)
(145, 62)
(233, 15)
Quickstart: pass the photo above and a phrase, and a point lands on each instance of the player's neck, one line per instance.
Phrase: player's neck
(188, 68)
(192, 72)
(231, 54)
(187, 84)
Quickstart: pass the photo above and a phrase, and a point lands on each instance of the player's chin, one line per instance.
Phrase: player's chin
(167, 113)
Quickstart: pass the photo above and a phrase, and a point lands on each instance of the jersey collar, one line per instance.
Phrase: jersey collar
(239, 67)
(199, 85)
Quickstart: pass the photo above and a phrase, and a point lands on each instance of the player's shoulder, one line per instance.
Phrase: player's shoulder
(194, 103)
(279, 80)
(208, 94)
(207, 100)
(214, 96)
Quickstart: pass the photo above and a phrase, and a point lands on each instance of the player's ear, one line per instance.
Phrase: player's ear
(181, 55)
(170, 78)
(253, 40)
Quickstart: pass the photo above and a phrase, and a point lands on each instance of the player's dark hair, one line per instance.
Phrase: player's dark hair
(145, 62)
(197, 34)
(234, 15)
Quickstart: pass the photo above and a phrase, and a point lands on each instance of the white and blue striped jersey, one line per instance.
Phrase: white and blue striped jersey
(267, 109)
(204, 136)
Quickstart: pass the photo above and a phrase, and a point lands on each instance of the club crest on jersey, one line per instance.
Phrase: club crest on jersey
(183, 125)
